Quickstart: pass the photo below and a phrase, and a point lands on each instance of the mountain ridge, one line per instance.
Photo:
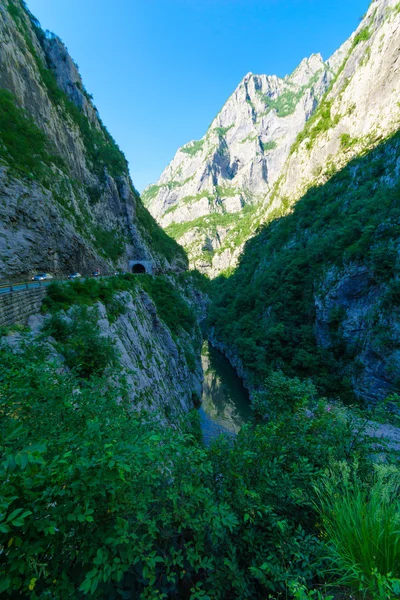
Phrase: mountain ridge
(63, 178)
(213, 223)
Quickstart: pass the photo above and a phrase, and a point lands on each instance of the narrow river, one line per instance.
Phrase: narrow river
(225, 403)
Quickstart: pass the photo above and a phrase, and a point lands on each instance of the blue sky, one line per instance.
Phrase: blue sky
(160, 70)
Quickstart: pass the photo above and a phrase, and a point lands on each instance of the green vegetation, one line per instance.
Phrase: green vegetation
(265, 311)
(100, 502)
(110, 243)
(85, 351)
(101, 149)
(211, 221)
(249, 138)
(268, 146)
(22, 144)
(226, 191)
(285, 104)
(319, 122)
(322, 120)
(156, 238)
(61, 296)
(193, 148)
(171, 307)
(363, 36)
(353, 515)
(150, 194)
(222, 131)
(346, 141)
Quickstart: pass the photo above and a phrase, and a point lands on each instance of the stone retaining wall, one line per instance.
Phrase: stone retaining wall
(17, 307)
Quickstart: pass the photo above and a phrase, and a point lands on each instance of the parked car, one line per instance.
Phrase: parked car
(96, 273)
(42, 277)
(74, 276)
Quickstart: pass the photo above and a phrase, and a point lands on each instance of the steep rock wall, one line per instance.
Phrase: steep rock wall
(66, 199)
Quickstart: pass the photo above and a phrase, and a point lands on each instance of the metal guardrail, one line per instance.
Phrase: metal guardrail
(8, 288)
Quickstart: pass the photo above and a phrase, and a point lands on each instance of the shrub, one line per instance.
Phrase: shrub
(124, 507)
(86, 352)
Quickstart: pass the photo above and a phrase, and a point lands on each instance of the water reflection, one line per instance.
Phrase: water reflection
(225, 402)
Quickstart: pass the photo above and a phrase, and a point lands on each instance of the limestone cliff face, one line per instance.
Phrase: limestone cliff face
(276, 138)
(235, 164)
(158, 376)
(360, 109)
(66, 199)
(369, 330)
(153, 363)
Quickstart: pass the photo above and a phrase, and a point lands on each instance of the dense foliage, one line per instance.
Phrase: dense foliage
(22, 144)
(99, 501)
(266, 310)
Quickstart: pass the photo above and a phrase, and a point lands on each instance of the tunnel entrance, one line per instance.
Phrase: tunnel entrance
(138, 268)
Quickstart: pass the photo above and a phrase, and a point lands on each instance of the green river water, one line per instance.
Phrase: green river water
(225, 403)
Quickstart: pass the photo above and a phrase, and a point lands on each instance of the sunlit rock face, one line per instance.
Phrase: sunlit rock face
(66, 199)
(274, 138)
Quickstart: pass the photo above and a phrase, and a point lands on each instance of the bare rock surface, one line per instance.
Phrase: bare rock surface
(275, 138)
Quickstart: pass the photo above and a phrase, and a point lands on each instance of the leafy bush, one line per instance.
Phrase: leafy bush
(100, 502)
(86, 292)
(281, 394)
(84, 349)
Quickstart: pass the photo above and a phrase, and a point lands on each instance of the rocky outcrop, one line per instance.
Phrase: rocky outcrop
(350, 311)
(153, 364)
(238, 160)
(274, 139)
(360, 109)
(66, 199)
(157, 373)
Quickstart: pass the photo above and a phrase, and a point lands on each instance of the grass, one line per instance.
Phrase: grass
(362, 524)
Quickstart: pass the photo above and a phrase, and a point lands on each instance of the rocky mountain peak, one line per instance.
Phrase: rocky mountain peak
(275, 137)
(238, 160)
